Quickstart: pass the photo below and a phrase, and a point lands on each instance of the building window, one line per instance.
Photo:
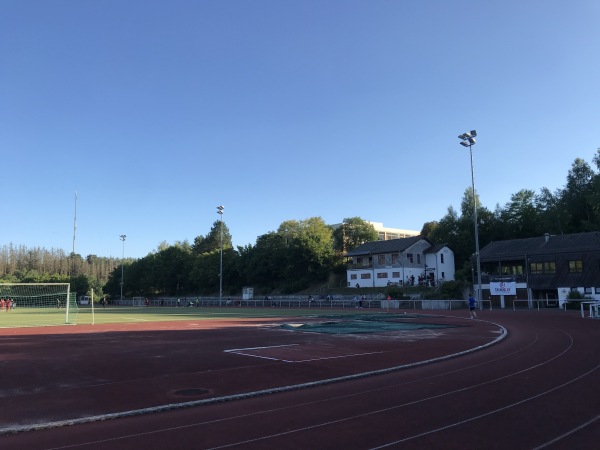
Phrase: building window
(546, 267)
(394, 258)
(365, 276)
(381, 259)
(359, 261)
(409, 257)
(442, 258)
(587, 290)
(382, 275)
(597, 290)
(353, 276)
(576, 266)
(443, 275)
(418, 258)
(395, 274)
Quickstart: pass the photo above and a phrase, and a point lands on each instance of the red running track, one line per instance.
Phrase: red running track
(537, 388)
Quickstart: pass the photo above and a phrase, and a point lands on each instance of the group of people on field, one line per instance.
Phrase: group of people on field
(6, 304)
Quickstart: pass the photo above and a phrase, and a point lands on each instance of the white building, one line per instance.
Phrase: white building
(408, 261)
(386, 233)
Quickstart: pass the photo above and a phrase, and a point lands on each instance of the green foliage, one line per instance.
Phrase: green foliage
(396, 293)
(574, 299)
(353, 232)
(573, 209)
(212, 241)
(449, 290)
(576, 295)
(81, 285)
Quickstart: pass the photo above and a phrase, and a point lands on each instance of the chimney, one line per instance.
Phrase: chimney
(547, 237)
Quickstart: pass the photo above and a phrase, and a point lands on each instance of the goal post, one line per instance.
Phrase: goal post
(37, 304)
(138, 301)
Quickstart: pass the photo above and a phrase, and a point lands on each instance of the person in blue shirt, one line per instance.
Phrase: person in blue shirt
(472, 307)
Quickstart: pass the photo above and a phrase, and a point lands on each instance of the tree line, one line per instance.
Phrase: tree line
(301, 253)
(575, 208)
(20, 264)
(298, 254)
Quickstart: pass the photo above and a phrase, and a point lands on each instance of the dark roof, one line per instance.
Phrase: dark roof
(436, 248)
(389, 246)
(542, 245)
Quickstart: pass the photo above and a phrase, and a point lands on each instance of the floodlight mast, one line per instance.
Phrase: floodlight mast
(122, 237)
(468, 140)
(220, 212)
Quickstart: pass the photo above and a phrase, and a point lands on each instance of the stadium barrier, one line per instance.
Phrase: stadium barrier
(448, 305)
(294, 301)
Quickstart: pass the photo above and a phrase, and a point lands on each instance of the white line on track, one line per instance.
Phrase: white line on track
(245, 352)
(234, 350)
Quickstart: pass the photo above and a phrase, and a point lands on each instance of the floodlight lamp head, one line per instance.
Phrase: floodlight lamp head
(462, 137)
(473, 133)
(464, 143)
(472, 141)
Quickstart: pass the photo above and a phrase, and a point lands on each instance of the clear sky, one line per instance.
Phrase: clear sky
(157, 111)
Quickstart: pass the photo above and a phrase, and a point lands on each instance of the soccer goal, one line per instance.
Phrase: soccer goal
(138, 301)
(37, 304)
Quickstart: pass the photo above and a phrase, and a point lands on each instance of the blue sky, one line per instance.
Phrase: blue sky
(155, 112)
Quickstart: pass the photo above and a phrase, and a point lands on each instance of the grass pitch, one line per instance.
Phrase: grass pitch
(39, 317)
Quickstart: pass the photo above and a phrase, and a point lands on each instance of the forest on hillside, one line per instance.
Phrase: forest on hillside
(303, 252)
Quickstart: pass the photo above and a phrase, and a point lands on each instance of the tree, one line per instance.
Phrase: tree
(577, 197)
(264, 263)
(428, 229)
(551, 215)
(594, 197)
(310, 254)
(353, 232)
(212, 241)
(520, 215)
(80, 284)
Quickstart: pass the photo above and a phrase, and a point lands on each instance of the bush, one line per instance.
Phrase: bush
(396, 293)
(574, 299)
(449, 290)
(576, 295)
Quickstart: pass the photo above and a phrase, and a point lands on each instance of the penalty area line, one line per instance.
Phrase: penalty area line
(242, 351)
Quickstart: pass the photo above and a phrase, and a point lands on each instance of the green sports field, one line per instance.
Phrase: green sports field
(36, 317)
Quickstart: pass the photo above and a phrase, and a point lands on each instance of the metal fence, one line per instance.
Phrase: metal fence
(291, 301)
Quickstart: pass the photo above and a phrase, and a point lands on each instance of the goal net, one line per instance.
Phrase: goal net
(138, 301)
(37, 304)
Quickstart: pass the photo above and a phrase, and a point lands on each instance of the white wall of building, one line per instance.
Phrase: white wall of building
(399, 274)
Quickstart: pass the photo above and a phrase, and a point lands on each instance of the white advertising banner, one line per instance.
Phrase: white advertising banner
(503, 288)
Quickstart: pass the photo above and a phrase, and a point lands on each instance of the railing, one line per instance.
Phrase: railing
(334, 301)
(538, 302)
(487, 278)
(448, 305)
(291, 301)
